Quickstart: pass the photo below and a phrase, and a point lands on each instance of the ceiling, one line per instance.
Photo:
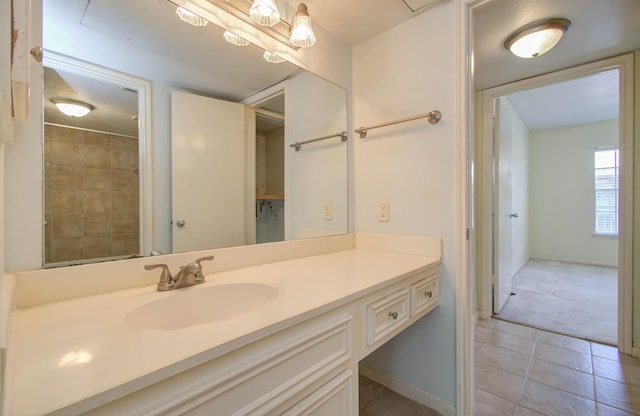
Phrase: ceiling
(599, 29)
(115, 108)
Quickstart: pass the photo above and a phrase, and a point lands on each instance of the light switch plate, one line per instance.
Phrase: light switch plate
(383, 211)
(328, 210)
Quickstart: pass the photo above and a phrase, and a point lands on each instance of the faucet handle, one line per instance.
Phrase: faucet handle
(199, 274)
(208, 258)
(166, 281)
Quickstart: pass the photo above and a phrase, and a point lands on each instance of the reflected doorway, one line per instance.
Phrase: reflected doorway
(270, 177)
(95, 197)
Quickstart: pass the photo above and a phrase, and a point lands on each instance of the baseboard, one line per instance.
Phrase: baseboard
(585, 262)
(635, 351)
(442, 406)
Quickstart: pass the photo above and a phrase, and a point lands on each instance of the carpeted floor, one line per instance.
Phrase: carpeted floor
(573, 299)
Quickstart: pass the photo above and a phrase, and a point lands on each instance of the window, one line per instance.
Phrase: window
(606, 190)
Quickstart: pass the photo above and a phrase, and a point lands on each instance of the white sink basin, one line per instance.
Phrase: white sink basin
(200, 305)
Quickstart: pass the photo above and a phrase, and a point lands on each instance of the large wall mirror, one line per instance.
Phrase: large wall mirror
(187, 143)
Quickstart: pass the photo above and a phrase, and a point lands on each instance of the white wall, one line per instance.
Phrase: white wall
(407, 71)
(317, 173)
(562, 194)
(519, 186)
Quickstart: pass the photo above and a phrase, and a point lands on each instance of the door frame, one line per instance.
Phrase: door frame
(624, 64)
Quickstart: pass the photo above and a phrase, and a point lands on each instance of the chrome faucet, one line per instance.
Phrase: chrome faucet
(189, 275)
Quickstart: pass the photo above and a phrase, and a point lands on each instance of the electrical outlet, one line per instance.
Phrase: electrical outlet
(383, 211)
(328, 210)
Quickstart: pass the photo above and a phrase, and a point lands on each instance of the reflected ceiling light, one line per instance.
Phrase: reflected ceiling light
(301, 31)
(536, 38)
(272, 57)
(190, 17)
(264, 12)
(235, 39)
(72, 108)
(75, 358)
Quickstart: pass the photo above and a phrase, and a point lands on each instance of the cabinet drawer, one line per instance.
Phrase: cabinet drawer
(387, 314)
(425, 294)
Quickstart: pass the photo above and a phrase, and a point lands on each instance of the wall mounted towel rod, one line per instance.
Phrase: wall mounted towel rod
(342, 135)
(432, 116)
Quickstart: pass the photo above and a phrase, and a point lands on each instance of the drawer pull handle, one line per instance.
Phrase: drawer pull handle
(393, 314)
(428, 294)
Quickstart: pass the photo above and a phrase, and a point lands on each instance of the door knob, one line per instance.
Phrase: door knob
(515, 215)
(181, 223)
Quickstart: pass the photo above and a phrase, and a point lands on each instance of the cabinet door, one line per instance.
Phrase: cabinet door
(332, 399)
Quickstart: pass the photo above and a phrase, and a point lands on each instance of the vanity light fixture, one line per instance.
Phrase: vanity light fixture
(272, 57)
(301, 31)
(72, 108)
(191, 18)
(536, 38)
(295, 35)
(235, 39)
(264, 12)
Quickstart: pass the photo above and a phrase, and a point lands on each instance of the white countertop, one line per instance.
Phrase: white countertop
(81, 351)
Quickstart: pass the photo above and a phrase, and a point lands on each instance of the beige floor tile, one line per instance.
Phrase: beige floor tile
(515, 329)
(377, 400)
(368, 390)
(604, 410)
(612, 353)
(564, 378)
(555, 402)
(489, 323)
(480, 333)
(391, 403)
(619, 395)
(498, 382)
(486, 404)
(616, 370)
(506, 360)
(568, 358)
(564, 341)
(523, 411)
(510, 342)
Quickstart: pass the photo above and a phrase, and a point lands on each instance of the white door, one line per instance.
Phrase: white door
(208, 172)
(502, 207)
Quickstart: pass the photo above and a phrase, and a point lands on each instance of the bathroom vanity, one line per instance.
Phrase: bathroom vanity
(281, 334)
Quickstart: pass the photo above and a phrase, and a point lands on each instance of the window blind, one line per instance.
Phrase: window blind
(606, 190)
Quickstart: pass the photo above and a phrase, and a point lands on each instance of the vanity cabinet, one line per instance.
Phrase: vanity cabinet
(288, 370)
(310, 368)
(295, 354)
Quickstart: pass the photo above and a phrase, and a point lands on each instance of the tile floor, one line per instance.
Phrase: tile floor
(377, 400)
(522, 371)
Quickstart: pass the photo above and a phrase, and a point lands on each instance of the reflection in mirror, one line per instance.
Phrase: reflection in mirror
(279, 193)
(91, 175)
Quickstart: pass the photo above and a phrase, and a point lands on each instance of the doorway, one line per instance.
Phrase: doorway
(541, 211)
(270, 188)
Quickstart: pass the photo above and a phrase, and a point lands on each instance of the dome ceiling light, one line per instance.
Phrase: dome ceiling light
(537, 38)
(72, 108)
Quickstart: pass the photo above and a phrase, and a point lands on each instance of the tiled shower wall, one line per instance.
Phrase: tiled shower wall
(91, 195)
